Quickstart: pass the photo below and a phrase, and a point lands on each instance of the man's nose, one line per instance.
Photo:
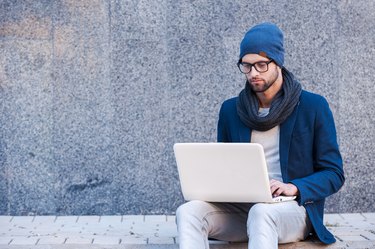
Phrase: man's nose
(253, 72)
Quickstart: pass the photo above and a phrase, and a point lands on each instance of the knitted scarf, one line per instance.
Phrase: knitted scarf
(281, 107)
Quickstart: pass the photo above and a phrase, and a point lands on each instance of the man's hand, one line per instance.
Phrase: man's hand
(280, 188)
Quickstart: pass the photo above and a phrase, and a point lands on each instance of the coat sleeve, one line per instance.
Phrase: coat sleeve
(328, 176)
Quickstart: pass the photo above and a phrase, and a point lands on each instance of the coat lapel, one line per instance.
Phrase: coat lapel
(286, 130)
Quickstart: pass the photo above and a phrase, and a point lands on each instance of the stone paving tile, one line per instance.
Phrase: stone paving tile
(106, 240)
(115, 228)
(51, 240)
(112, 231)
(171, 218)
(133, 240)
(139, 230)
(44, 219)
(70, 228)
(88, 219)
(369, 215)
(369, 234)
(44, 230)
(346, 231)
(133, 218)
(155, 218)
(354, 216)
(5, 219)
(360, 244)
(161, 240)
(19, 230)
(167, 231)
(19, 240)
(351, 238)
(4, 229)
(114, 220)
(22, 219)
(5, 240)
(333, 219)
(78, 240)
(66, 219)
(362, 224)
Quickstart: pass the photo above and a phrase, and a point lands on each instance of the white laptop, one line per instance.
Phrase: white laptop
(224, 172)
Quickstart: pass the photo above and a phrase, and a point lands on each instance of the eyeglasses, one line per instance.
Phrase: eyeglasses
(261, 66)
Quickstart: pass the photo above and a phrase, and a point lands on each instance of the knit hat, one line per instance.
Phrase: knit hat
(265, 39)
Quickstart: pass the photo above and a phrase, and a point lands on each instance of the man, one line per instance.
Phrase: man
(297, 131)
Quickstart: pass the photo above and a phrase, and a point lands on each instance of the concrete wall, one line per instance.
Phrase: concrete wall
(95, 93)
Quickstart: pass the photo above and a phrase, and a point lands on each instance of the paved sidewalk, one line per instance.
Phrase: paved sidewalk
(151, 232)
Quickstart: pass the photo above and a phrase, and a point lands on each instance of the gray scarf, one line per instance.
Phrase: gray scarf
(281, 107)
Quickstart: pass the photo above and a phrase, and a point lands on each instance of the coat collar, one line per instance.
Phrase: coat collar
(286, 130)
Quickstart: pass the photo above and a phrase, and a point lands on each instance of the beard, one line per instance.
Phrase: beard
(260, 85)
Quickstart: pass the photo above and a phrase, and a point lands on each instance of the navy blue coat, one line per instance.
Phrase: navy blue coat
(309, 153)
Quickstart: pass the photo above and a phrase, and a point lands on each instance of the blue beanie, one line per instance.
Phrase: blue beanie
(265, 39)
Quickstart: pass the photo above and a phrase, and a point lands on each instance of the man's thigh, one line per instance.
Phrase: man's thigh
(228, 222)
(222, 221)
(290, 219)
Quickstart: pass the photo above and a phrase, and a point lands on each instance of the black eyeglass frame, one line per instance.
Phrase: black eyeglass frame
(239, 63)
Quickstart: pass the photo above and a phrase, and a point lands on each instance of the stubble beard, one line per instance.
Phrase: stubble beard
(267, 83)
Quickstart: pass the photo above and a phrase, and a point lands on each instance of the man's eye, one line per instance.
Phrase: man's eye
(261, 64)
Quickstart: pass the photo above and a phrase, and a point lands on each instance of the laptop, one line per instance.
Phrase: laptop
(224, 172)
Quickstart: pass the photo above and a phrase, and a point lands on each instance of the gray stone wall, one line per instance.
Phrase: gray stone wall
(95, 93)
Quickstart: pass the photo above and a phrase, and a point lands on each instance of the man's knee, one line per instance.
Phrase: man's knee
(261, 214)
(190, 209)
(261, 226)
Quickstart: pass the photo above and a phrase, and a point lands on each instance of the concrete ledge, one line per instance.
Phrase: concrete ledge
(155, 231)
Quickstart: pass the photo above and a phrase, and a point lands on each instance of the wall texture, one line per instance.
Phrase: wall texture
(95, 93)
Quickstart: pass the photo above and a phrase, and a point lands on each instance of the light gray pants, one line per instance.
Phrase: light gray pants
(263, 225)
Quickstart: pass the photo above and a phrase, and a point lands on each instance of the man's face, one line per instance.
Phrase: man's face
(261, 82)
